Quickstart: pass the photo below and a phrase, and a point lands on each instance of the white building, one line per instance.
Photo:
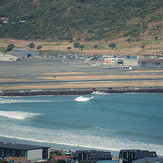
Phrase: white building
(6, 57)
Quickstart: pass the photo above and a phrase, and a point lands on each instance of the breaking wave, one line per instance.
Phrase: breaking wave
(18, 114)
(11, 100)
(72, 139)
(82, 99)
(99, 93)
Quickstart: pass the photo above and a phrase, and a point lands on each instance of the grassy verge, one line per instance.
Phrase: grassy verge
(52, 52)
(2, 49)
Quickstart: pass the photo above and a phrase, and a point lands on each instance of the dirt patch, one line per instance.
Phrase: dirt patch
(88, 85)
(65, 73)
(12, 80)
(144, 71)
(94, 77)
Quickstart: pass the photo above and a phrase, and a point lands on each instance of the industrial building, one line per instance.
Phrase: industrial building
(23, 53)
(21, 152)
(150, 63)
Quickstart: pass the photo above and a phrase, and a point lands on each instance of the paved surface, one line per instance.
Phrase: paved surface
(31, 70)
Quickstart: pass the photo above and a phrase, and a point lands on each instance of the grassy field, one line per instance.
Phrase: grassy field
(134, 47)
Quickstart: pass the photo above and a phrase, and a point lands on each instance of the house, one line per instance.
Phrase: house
(93, 155)
(149, 160)
(68, 159)
(23, 53)
(128, 156)
(4, 20)
(21, 152)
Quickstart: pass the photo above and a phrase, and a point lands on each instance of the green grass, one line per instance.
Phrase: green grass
(52, 52)
(2, 49)
(155, 48)
(87, 46)
(59, 44)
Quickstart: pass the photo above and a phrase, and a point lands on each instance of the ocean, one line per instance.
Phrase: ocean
(108, 122)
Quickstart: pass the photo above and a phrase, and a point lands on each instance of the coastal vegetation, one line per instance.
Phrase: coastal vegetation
(123, 46)
(81, 20)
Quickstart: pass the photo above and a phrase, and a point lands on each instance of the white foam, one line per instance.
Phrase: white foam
(88, 139)
(99, 93)
(18, 114)
(82, 99)
(9, 100)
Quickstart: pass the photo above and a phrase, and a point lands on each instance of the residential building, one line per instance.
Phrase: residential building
(20, 152)
(149, 160)
(93, 155)
(128, 156)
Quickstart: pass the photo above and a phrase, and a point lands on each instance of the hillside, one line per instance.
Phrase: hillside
(88, 20)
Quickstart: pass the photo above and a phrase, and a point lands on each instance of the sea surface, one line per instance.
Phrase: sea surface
(99, 121)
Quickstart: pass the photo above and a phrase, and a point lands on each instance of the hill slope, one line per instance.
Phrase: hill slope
(81, 19)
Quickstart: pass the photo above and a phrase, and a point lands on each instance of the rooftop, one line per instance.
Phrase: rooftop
(19, 146)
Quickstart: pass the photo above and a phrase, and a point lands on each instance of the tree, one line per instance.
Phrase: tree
(156, 38)
(10, 47)
(112, 45)
(59, 161)
(76, 44)
(85, 161)
(143, 46)
(96, 46)
(31, 45)
(82, 46)
(69, 48)
(39, 47)
(128, 40)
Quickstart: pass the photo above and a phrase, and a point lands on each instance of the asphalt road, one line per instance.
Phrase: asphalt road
(78, 81)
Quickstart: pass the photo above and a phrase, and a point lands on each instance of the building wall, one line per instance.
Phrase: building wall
(16, 159)
(23, 53)
(130, 62)
(157, 64)
(34, 154)
(7, 58)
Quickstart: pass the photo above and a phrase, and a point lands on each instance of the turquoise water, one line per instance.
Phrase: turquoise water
(106, 122)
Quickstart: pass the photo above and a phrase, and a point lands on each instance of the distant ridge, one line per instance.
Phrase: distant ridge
(88, 20)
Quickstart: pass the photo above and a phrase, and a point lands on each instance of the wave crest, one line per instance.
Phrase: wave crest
(82, 99)
(18, 114)
(99, 93)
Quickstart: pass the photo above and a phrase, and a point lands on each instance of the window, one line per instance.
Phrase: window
(157, 64)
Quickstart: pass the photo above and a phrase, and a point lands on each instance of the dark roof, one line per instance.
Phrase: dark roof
(93, 154)
(151, 60)
(20, 146)
(140, 153)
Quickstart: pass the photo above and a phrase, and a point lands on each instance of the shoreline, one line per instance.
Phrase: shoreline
(68, 92)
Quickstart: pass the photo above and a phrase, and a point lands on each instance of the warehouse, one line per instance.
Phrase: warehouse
(13, 151)
(23, 53)
(150, 63)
